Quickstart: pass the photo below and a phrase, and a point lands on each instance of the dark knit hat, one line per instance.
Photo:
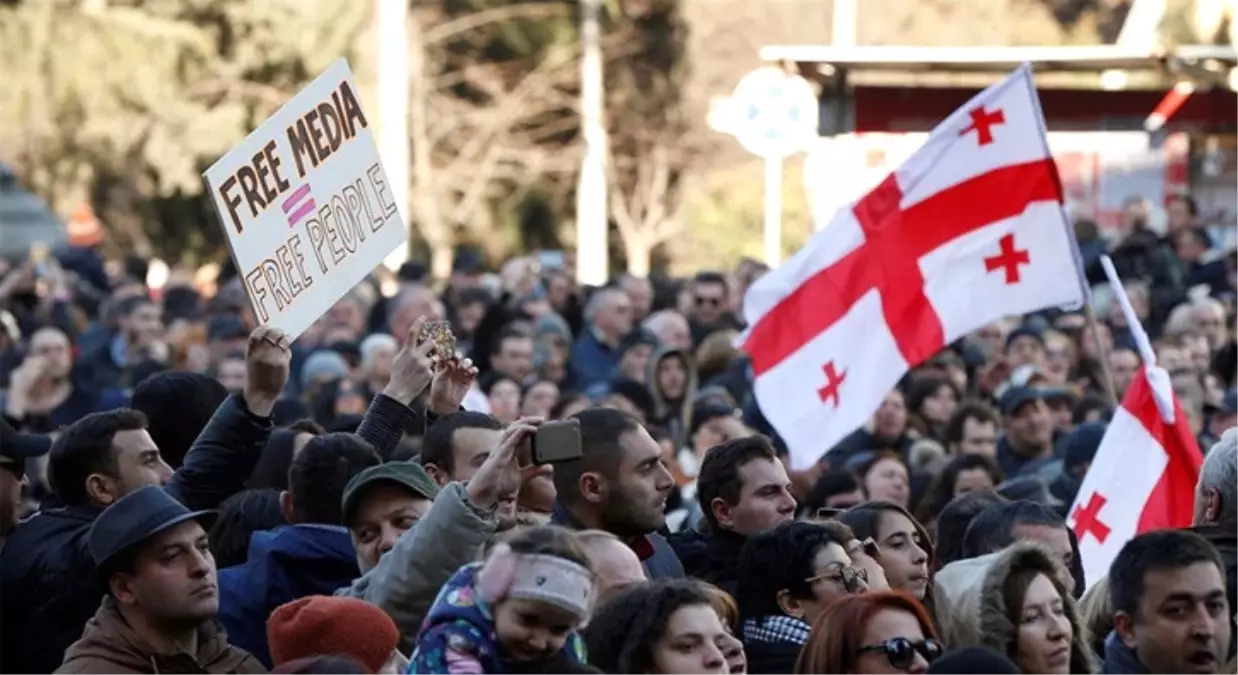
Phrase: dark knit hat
(177, 406)
(322, 624)
(973, 660)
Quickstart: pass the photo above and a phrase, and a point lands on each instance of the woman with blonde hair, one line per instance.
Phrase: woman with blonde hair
(1096, 612)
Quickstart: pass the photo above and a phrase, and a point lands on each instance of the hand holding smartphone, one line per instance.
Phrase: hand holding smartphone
(557, 441)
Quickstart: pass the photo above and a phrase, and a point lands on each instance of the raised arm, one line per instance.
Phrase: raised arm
(225, 453)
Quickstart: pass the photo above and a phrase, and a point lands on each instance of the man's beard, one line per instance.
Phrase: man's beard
(625, 519)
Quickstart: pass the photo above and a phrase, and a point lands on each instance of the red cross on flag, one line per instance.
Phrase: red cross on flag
(969, 229)
(1144, 472)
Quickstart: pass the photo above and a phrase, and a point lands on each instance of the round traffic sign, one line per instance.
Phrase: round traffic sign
(778, 113)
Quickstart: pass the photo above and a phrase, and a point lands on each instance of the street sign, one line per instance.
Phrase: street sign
(776, 113)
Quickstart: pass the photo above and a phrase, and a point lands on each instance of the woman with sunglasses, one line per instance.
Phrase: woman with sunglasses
(875, 632)
(1014, 602)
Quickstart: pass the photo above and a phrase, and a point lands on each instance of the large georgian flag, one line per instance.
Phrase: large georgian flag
(1144, 473)
(969, 229)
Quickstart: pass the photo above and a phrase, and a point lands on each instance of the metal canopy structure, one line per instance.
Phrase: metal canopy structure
(1206, 64)
(986, 59)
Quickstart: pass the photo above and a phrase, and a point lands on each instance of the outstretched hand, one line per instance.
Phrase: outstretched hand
(497, 483)
(412, 367)
(452, 379)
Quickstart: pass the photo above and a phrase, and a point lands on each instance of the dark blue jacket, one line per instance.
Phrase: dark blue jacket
(283, 565)
(47, 592)
(655, 553)
(1120, 659)
(592, 361)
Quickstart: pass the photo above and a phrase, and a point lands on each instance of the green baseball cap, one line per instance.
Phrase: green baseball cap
(405, 474)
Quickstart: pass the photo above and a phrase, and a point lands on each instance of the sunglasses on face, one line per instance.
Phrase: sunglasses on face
(901, 652)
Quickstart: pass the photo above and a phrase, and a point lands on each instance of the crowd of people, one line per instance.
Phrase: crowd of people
(186, 491)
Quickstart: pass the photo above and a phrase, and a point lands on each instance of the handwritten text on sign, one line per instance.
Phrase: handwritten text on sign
(305, 203)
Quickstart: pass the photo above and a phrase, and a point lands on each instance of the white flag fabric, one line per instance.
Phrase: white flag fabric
(969, 229)
(1142, 477)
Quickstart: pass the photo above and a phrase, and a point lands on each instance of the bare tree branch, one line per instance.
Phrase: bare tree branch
(525, 10)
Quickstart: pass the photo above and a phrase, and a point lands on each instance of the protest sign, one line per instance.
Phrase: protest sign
(305, 204)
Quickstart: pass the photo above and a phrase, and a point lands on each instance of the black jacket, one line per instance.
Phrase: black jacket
(46, 589)
(710, 556)
(656, 556)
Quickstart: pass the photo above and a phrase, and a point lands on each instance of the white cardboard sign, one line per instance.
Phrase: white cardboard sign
(305, 204)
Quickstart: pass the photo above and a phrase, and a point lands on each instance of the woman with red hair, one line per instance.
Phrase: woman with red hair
(874, 632)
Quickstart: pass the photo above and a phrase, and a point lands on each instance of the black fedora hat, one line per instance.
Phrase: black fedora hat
(132, 520)
(16, 447)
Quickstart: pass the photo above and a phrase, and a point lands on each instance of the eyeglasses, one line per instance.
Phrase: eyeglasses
(868, 546)
(901, 652)
(854, 579)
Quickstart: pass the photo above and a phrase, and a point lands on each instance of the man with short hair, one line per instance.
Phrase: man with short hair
(671, 329)
(972, 430)
(138, 338)
(46, 590)
(711, 305)
(1216, 510)
(512, 354)
(1027, 445)
(159, 612)
(1170, 614)
(608, 317)
(618, 485)
(313, 555)
(456, 445)
(1002, 524)
(743, 489)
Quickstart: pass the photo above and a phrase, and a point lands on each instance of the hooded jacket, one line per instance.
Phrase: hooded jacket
(110, 645)
(677, 418)
(283, 564)
(971, 607)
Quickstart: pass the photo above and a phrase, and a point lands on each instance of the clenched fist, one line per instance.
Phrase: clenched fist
(267, 358)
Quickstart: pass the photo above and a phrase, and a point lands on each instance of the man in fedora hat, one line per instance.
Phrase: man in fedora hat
(46, 595)
(158, 616)
(15, 449)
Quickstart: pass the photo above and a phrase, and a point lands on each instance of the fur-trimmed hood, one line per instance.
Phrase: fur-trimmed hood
(971, 607)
